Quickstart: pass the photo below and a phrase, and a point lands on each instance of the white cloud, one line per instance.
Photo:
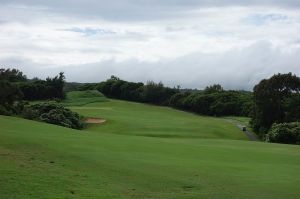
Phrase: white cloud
(233, 43)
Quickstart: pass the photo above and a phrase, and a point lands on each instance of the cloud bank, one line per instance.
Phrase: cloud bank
(188, 43)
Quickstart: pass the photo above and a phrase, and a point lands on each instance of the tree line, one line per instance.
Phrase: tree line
(15, 87)
(213, 100)
(274, 102)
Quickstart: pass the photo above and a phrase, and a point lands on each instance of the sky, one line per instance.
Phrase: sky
(190, 43)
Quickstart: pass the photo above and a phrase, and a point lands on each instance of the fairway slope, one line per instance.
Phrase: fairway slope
(155, 121)
(40, 160)
(79, 98)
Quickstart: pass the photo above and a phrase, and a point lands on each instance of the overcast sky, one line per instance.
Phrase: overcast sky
(191, 43)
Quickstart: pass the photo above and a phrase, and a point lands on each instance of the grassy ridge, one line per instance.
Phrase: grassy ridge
(45, 161)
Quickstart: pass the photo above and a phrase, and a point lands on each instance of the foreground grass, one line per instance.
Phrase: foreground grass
(45, 161)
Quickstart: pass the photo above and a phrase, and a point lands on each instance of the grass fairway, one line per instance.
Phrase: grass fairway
(154, 121)
(142, 151)
(79, 98)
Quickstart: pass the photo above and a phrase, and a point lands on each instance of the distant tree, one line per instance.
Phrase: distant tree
(37, 89)
(214, 101)
(152, 92)
(271, 97)
(131, 91)
(84, 87)
(213, 89)
(156, 93)
(115, 89)
(9, 94)
(199, 103)
(35, 79)
(12, 75)
(226, 103)
(176, 100)
(57, 85)
(105, 87)
(115, 78)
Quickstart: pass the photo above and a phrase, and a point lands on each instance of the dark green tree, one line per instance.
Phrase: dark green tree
(12, 75)
(270, 99)
(57, 85)
(9, 94)
(213, 89)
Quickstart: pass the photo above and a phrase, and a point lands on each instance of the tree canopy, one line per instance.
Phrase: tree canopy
(275, 100)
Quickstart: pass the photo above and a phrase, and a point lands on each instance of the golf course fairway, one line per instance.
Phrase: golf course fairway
(142, 151)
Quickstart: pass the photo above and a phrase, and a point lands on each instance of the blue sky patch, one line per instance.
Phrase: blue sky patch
(91, 31)
(262, 19)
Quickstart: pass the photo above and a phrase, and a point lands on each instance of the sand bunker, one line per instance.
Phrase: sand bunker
(94, 121)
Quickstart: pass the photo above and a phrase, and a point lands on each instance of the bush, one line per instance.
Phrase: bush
(4, 111)
(12, 109)
(288, 133)
(29, 113)
(54, 114)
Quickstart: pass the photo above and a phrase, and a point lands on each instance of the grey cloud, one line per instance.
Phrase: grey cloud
(236, 69)
(141, 9)
(28, 67)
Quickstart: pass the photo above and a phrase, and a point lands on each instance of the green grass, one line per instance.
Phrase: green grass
(238, 120)
(79, 98)
(241, 120)
(167, 159)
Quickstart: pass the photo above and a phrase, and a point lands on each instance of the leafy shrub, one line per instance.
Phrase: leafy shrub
(12, 109)
(54, 114)
(288, 133)
(4, 111)
(30, 113)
